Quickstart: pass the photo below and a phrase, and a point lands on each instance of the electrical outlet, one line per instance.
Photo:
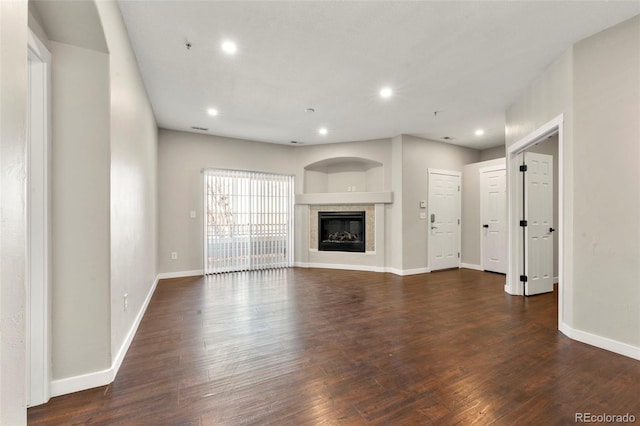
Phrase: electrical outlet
(126, 301)
(174, 255)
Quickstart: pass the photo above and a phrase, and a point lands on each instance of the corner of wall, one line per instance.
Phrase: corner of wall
(104, 377)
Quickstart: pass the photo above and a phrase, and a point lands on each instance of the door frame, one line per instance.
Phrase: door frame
(38, 210)
(431, 171)
(482, 170)
(514, 242)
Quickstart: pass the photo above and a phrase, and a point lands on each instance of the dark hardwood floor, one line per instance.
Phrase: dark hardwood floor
(314, 346)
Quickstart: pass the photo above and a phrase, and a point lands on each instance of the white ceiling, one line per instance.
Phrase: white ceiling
(466, 60)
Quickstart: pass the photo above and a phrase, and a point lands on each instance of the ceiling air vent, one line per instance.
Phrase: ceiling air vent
(199, 128)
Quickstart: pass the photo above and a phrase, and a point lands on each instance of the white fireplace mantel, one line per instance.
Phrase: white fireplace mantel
(345, 198)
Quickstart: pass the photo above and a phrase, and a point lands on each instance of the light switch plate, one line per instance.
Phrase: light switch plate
(193, 214)
(423, 204)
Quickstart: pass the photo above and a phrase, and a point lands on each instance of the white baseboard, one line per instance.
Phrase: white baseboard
(404, 272)
(117, 362)
(82, 382)
(395, 271)
(601, 342)
(180, 274)
(513, 289)
(366, 268)
(471, 266)
(103, 377)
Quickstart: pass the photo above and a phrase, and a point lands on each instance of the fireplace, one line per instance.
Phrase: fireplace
(341, 231)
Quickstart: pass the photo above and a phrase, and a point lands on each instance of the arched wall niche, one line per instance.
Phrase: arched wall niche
(343, 174)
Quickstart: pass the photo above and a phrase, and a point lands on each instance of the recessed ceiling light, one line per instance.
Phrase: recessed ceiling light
(323, 131)
(386, 92)
(479, 132)
(229, 47)
(212, 111)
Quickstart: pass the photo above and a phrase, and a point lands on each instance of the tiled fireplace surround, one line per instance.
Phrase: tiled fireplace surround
(369, 215)
(373, 204)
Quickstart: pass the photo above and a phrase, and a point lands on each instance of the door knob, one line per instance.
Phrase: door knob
(485, 226)
(551, 229)
(434, 227)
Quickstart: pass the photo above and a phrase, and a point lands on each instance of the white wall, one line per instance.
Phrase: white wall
(492, 153)
(133, 191)
(418, 156)
(606, 189)
(81, 210)
(596, 85)
(36, 26)
(13, 95)
(103, 190)
(404, 160)
(181, 157)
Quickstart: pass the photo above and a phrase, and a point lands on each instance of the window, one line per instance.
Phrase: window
(248, 221)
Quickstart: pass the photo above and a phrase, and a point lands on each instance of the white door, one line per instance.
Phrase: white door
(538, 207)
(444, 219)
(493, 217)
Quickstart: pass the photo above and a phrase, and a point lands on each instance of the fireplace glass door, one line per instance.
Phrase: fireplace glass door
(341, 231)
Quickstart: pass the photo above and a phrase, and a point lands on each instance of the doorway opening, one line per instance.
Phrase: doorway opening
(516, 241)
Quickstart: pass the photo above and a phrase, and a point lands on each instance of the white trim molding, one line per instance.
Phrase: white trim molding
(38, 215)
(405, 272)
(444, 172)
(601, 342)
(471, 266)
(347, 198)
(366, 268)
(495, 168)
(117, 362)
(180, 274)
(104, 377)
(82, 382)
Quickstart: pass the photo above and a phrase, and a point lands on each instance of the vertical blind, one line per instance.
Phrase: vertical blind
(248, 221)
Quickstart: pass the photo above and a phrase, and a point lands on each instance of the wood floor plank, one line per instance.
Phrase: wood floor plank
(315, 346)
